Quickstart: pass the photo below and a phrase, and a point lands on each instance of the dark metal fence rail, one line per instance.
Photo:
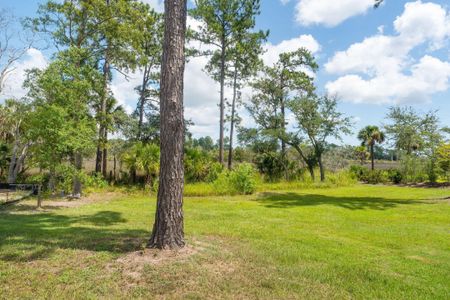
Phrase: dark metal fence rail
(12, 193)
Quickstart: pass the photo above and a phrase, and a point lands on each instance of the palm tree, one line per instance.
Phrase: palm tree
(369, 136)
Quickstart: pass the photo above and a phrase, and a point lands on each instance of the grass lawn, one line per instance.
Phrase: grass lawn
(363, 242)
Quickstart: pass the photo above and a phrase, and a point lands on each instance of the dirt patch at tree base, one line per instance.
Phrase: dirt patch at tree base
(132, 265)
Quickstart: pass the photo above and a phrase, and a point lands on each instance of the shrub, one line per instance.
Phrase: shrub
(199, 166)
(241, 180)
(376, 177)
(359, 172)
(395, 176)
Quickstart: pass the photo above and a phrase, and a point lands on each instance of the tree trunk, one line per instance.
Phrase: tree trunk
(17, 162)
(102, 130)
(168, 230)
(105, 157)
(12, 164)
(142, 102)
(99, 157)
(372, 157)
(233, 110)
(77, 188)
(311, 172)
(114, 168)
(222, 101)
(321, 168)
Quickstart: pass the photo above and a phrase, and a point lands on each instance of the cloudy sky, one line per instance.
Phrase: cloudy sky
(372, 59)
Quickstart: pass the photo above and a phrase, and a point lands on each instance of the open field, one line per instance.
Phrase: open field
(370, 242)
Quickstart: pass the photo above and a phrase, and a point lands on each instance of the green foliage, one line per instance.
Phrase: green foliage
(275, 166)
(395, 176)
(443, 160)
(145, 158)
(200, 166)
(363, 174)
(241, 180)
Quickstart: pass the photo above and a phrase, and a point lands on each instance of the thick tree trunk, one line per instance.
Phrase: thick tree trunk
(99, 157)
(372, 157)
(321, 167)
(17, 162)
(12, 164)
(233, 111)
(311, 172)
(168, 230)
(222, 102)
(77, 187)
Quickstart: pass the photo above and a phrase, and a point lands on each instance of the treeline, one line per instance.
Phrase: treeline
(70, 114)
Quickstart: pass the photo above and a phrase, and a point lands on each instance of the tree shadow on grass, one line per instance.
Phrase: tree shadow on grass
(27, 237)
(286, 200)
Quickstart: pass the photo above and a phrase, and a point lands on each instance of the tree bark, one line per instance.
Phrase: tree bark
(105, 156)
(233, 111)
(168, 229)
(99, 156)
(142, 101)
(321, 168)
(102, 128)
(77, 187)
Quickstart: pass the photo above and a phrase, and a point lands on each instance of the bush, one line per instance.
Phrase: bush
(241, 180)
(199, 166)
(395, 176)
(360, 173)
(368, 176)
(376, 177)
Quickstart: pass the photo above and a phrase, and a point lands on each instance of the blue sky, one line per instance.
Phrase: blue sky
(372, 59)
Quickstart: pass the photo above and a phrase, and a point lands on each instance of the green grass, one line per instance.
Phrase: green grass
(363, 242)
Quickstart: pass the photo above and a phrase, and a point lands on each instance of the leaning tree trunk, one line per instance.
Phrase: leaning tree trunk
(168, 230)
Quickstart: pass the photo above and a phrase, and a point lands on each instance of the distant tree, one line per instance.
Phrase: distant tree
(277, 84)
(443, 159)
(206, 143)
(245, 61)
(149, 50)
(224, 24)
(14, 121)
(319, 119)
(168, 229)
(62, 125)
(13, 44)
(369, 136)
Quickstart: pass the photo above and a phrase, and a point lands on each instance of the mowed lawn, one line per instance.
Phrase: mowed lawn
(361, 242)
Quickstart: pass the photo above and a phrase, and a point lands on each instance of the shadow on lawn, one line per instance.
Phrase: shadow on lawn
(36, 236)
(285, 200)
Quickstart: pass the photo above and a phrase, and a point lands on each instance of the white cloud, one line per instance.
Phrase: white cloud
(13, 85)
(329, 12)
(381, 68)
(272, 53)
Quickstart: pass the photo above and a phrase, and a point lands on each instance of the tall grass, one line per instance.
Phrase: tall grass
(333, 179)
